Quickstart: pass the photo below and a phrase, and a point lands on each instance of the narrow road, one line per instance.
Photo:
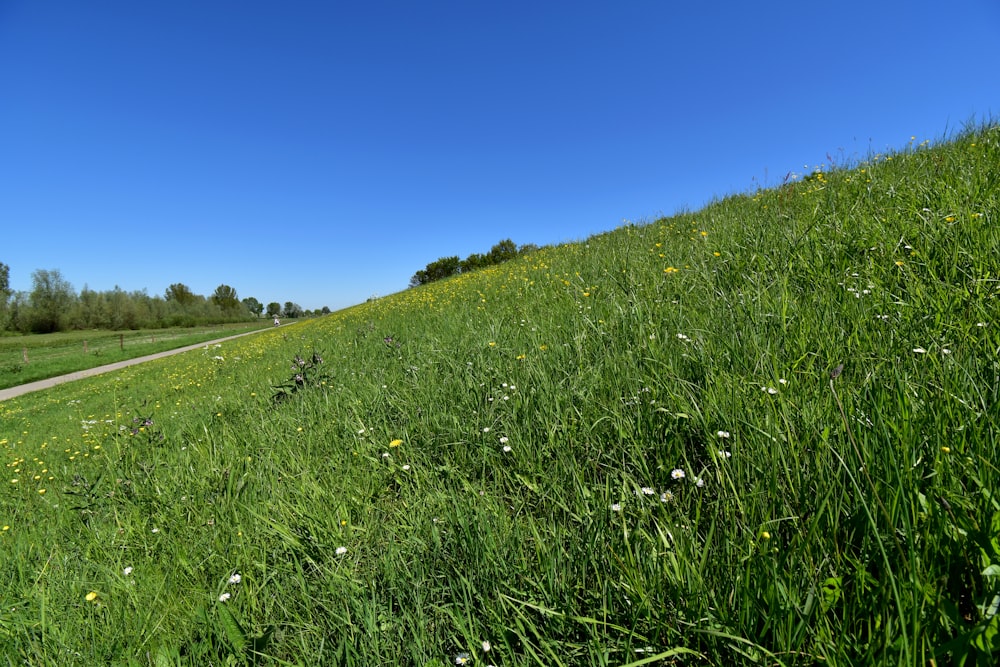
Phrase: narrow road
(13, 392)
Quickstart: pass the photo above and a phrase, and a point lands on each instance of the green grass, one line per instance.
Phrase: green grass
(28, 358)
(823, 357)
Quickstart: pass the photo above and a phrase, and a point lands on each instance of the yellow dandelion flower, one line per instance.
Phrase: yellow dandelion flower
(91, 596)
(396, 443)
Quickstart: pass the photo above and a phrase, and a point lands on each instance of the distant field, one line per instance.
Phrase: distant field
(25, 359)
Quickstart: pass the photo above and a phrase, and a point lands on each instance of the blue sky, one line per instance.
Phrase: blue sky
(321, 152)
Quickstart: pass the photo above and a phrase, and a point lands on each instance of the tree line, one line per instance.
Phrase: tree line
(53, 305)
(449, 266)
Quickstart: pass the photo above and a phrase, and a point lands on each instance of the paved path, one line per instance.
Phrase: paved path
(79, 375)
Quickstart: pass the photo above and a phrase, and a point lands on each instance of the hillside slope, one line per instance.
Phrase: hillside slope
(763, 432)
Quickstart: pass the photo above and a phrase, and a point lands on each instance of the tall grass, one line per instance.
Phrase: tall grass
(760, 433)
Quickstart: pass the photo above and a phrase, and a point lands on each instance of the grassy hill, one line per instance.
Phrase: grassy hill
(760, 433)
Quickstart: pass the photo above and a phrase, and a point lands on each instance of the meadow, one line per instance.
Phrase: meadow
(27, 358)
(761, 433)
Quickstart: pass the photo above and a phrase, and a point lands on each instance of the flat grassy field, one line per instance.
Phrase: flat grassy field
(25, 359)
(761, 433)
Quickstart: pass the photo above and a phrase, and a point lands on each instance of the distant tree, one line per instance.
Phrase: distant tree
(419, 278)
(180, 293)
(503, 251)
(526, 248)
(51, 298)
(273, 309)
(253, 305)
(4, 294)
(225, 298)
(325, 310)
(474, 261)
(293, 310)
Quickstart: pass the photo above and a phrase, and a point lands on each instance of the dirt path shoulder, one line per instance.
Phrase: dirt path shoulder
(13, 392)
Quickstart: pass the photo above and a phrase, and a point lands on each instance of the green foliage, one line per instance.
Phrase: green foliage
(51, 297)
(759, 433)
(444, 267)
(225, 298)
(253, 305)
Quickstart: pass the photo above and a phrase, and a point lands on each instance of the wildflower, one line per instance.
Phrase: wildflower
(946, 450)
(395, 443)
(506, 449)
(666, 497)
(616, 507)
(341, 551)
(235, 578)
(677, 473)
(648, 491)
(699, 482)
(225, 597)
(504, 440)
(945, 350)
(724, 454)
(91, 596)
(406, 467)
(765, 535)
(722, 434)
(128, 570)
(462, 659)
(486, 647)
(919, 350)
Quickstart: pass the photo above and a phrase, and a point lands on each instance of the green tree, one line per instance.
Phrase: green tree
(253, 305)
(474, 261)
(225, 298)
(436, 270)
(180, 293)
(51, 298)
(4, 294)
(293, 310)
(503, 251)
(273, 309)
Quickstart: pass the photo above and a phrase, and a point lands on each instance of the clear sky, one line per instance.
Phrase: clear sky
(322, 152)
